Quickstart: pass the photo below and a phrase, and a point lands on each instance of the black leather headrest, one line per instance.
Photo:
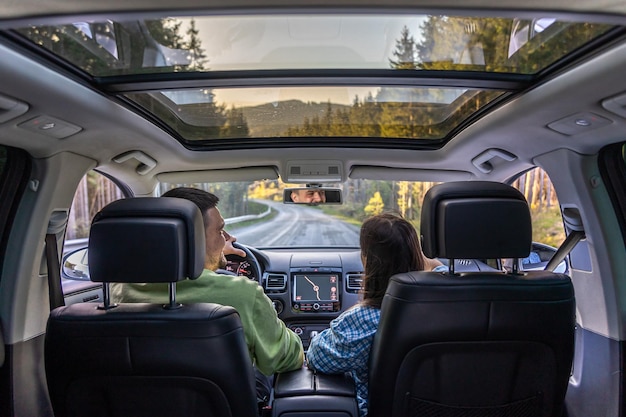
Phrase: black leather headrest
(464, 220)
(147, 240)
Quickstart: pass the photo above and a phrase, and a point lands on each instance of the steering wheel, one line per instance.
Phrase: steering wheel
(248, 266)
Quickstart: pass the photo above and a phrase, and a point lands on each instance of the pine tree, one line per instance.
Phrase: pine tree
(364, 117)
(197, 57)
(166, 32)
(236, 125)
(405, 51)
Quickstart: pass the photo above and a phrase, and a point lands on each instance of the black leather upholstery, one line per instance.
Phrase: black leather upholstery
(143, 359)
(473, 344)
(305, 393)
(475, 220)
(147, 240)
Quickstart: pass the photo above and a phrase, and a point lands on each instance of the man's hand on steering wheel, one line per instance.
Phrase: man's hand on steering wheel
(229, 249)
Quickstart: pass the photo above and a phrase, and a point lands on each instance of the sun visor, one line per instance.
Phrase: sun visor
(220, 175)
(405, 174)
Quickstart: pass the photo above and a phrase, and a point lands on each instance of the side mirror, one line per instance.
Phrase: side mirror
(75, 265)
(539, 257)
(312, 195)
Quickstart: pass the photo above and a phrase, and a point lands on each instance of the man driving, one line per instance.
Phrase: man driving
(271, 345)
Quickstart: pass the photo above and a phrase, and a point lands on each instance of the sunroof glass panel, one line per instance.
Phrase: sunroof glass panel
(265, 42)
(414, 44)
(321, 111)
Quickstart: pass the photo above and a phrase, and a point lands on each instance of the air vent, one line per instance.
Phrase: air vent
(354, 281)
(275, 282)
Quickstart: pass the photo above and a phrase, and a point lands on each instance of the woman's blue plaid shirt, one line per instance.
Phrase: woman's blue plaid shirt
(345, 347)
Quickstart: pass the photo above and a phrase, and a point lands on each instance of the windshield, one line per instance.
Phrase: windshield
(254, 211)
(256, 215)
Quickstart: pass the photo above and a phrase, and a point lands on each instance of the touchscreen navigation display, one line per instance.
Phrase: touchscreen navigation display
(315, 288)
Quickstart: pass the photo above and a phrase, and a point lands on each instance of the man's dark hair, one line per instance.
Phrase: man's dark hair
(203, 199)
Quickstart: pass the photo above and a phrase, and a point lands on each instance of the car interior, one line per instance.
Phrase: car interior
(498, 129)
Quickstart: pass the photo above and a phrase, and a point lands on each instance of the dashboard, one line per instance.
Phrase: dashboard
(242, 268)
(308, 287)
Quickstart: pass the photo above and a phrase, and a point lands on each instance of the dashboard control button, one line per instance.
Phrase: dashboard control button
(316, 306)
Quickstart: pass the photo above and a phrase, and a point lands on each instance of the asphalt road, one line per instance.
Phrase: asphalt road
(297, 225)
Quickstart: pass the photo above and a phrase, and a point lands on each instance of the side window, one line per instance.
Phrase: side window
(548, 229)
(94, 192)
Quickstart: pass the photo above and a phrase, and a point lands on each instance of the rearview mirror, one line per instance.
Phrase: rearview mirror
(312, 195)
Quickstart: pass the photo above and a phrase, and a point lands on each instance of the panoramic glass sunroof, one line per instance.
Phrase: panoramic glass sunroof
(265, 42)
(319, 111)
(197, 64)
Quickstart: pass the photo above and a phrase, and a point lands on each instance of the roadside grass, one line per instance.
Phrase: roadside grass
(256, 208)
(340, 214)
(233, 227)
(548, 226)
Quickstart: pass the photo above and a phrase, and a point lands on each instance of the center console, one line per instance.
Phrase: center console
(309, 289)
(305, 393)
(314, 288)
(317, 296)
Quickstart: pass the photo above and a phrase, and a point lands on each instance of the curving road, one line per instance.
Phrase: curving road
(297, 225)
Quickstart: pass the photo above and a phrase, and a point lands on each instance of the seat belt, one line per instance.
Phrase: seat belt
(56, 226)
(573, 222)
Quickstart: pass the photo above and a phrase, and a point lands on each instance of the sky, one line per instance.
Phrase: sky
(292, 42)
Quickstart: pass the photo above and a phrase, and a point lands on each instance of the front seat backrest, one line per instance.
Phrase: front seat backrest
(477, 343)
(148, 359)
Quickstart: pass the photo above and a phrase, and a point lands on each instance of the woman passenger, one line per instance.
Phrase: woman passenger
(389, 245)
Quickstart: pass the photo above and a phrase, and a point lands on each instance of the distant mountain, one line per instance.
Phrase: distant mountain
(273, 119)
